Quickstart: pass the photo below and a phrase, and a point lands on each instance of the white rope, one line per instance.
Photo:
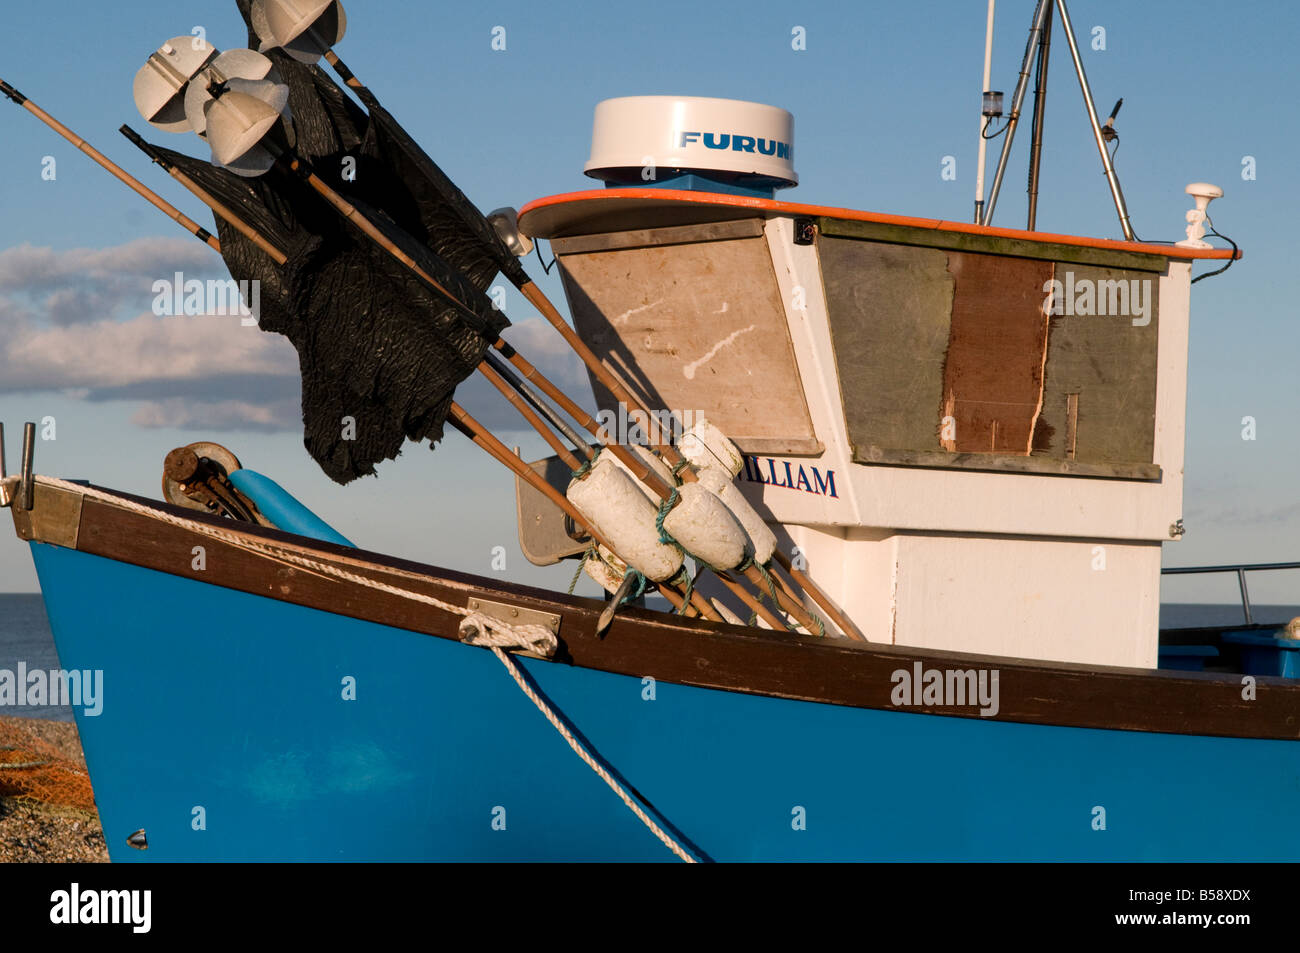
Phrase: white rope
(586, 756)
(475, 628)
(534, 638)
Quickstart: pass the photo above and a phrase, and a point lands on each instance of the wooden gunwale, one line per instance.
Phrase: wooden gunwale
(703, 654)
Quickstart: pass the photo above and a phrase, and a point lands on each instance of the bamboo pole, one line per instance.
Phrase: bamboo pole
(480, 435)
(134, 184)
(543, 304)
(205, 197)
(531, 416)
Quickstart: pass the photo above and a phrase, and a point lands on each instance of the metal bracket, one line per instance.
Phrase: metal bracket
(55, 516)
(516, 615)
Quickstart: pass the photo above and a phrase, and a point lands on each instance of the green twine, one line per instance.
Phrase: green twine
(637, 591)
(684, 578)
(776, 603)
(583, 470)
(664, 508)
(577, 573)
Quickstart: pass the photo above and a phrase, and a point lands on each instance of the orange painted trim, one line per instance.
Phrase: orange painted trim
(773, 207)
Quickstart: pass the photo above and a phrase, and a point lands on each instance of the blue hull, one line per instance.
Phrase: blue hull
(233, 703)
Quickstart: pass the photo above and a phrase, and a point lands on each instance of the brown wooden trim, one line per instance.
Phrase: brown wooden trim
(652, 237)
(991, 245)
(705, 654)
(1004, 463)
(780, 446)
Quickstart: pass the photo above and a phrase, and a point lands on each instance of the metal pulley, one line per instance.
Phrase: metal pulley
(197, 477)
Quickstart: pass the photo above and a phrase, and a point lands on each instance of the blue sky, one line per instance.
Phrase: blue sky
(881, 94)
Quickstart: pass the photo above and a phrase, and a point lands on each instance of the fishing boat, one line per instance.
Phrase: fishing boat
(964, 441)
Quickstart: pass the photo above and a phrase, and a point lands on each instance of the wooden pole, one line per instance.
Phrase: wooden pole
(206, 198)
(531, 416)
(548, 310)
(462, 420)
(134, 184)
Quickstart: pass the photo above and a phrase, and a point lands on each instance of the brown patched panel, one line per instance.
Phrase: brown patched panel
(997, 346)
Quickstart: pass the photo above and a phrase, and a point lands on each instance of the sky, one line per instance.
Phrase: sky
(882, 94)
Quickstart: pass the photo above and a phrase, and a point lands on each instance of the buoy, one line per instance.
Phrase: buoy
(762, 541)
(706, 446)
(706, 529)
(614, 505)
(651, 460)
(606, 569)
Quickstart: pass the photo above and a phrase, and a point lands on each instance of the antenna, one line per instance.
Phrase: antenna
(990, 109)
(1102, 136)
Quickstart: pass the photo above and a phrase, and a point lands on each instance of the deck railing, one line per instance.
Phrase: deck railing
(1240, 569)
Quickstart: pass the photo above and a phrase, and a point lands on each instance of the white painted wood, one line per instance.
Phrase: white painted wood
(1019, 564)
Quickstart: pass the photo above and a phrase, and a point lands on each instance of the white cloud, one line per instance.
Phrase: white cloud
(184, 414)
(27, 268)
(147, 349)
(88, 284)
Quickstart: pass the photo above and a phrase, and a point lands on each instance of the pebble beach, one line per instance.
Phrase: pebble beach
(35, 830)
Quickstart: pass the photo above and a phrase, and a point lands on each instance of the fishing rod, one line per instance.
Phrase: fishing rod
(117, 171)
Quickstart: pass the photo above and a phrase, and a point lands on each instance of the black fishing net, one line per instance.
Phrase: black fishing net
(390, 170)
(380, 351)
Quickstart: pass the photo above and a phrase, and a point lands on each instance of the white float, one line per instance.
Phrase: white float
(762, 540)
(615, 506)
(706, 529)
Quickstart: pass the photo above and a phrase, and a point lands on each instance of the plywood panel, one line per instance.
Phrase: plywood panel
(1108, 361)
(889, 311)
(696, 327)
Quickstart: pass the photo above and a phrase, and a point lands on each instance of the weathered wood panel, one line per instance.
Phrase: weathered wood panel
(694, 326)
(991, 244)
(952, 359)
(889, 308)
(1105, 359)
(1004, 463)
